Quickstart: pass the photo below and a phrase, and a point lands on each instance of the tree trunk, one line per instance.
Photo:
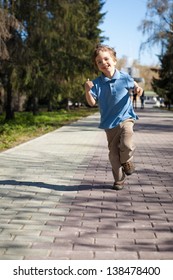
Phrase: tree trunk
(49, 106)
(34, 105)
(9, 106)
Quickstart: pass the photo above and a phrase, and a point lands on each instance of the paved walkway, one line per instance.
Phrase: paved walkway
(57, 202)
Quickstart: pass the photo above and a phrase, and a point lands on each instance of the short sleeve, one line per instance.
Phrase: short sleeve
(130, 82)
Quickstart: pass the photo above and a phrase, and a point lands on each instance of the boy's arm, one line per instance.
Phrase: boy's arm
(90, 99)
(138, 89)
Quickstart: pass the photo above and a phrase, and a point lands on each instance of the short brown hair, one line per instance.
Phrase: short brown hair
(102, 48)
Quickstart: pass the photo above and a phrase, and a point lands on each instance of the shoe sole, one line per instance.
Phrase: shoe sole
(117, 187)
(129, 173)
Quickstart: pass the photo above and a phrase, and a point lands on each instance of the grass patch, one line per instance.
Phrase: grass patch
(25, 126)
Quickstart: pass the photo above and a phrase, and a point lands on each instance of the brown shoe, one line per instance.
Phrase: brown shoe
(117, 187)
(128, 167)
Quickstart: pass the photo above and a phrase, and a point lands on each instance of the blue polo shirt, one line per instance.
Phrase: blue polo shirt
(113, 99)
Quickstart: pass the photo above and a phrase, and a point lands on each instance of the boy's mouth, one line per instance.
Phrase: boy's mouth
(106, 67)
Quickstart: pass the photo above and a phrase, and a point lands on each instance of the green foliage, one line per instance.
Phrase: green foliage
(158, 24)
(27, 126)
(164, 84)
(56, 43)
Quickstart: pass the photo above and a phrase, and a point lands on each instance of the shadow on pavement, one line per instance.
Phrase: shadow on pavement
(161, 128)
(52, 186)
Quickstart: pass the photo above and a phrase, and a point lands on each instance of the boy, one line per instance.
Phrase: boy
(112, 91)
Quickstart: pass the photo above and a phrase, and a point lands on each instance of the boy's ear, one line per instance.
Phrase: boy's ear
(115, 60)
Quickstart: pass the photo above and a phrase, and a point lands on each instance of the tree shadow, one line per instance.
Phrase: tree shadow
(55, 187)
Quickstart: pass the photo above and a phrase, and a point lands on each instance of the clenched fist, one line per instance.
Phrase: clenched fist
(88, 85)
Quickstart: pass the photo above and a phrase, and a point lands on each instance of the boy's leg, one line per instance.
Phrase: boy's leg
(127, 147)
(113, 137)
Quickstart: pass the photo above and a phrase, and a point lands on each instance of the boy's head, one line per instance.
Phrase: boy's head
(102, 48)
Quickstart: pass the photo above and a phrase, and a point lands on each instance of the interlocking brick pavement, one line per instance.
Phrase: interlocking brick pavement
(57, 202)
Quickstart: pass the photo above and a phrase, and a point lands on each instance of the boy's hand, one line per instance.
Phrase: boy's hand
(88, 85)
(138, 89)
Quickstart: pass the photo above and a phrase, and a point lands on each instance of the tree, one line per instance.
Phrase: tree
(56, 43)
(10, 45)
(8, 22)
(164, 84)
(159, 26)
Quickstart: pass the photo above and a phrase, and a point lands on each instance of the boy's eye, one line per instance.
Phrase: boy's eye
(100, 61)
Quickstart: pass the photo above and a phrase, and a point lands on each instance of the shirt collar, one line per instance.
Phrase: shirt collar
(115, 77)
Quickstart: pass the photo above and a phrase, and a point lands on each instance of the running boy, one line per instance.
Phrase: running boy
(112, 92)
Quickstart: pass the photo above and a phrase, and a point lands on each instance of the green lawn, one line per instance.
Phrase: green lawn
(26, 126)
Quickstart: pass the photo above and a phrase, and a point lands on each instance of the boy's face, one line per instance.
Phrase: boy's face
(106, 63)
